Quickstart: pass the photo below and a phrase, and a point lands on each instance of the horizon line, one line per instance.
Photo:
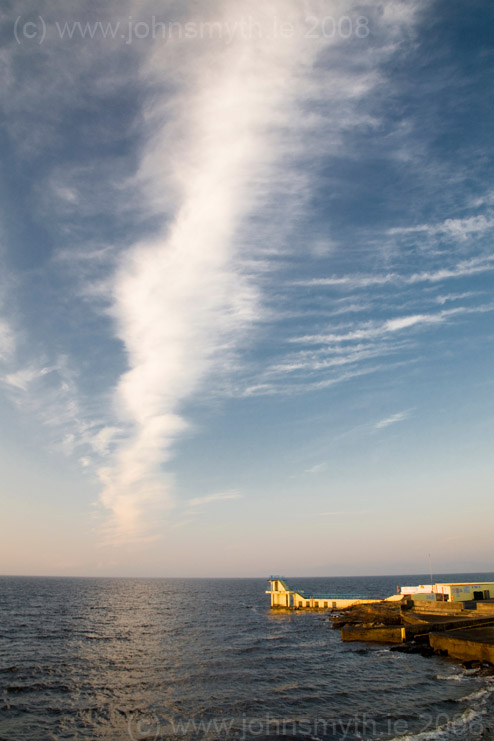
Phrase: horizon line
(266, 578)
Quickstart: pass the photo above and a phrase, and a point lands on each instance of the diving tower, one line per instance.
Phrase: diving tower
(285, 597)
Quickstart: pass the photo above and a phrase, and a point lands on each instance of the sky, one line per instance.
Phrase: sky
(246, 307)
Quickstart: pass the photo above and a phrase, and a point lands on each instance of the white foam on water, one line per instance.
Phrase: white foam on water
(451, 677)
(477, 694)
(471, 724)
(468, 726)
(483, 694)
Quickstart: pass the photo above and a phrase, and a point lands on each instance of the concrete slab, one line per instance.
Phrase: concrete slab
(449, 608)
(410, 631)
(384, 634)
(468, 644)
(485, 608)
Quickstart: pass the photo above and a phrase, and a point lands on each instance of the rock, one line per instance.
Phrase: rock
(371, 615)
(413, 648)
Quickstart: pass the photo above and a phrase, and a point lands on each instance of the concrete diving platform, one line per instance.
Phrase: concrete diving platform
(285, 597)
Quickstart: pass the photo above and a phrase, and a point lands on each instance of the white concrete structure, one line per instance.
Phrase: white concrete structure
(451, 591)
(421, 589)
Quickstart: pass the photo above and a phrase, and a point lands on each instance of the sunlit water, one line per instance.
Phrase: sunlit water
(168, 658)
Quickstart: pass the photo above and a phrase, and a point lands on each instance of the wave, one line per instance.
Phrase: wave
(477, 695)
(475, 722)
(468, 726)
(452, 677)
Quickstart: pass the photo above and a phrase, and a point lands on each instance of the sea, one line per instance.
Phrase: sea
(141, 659)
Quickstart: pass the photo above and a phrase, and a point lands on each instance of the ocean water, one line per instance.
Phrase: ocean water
(121, 659)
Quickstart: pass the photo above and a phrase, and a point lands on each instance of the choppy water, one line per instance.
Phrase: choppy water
(141, 659)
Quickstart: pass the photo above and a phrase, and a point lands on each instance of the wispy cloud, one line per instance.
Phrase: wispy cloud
(459, 229)
(393, 419)
(462, 269)
(289, 388)
(22, 378)
(183, 301)
(447, 298)
(49, 393)
(227, 135)
(373, 330)
(331, 358)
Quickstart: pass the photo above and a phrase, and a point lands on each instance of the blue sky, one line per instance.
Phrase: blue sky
(246, 311)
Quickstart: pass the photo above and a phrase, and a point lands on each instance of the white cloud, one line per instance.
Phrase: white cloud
(22, 378)
(375, 330)
(180, 300)
(229, 128)
(393, 419)
(462, 269)
(353, 281)
(394, 325)
(459, 229)
(101, 441)
(49, 393)
(216, 149)
(327, 359)
(287, 388)
(447, 298)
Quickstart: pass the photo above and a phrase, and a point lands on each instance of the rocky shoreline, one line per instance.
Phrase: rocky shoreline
(448, 630)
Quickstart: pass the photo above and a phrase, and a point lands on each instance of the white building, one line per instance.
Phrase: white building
(451, 591)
